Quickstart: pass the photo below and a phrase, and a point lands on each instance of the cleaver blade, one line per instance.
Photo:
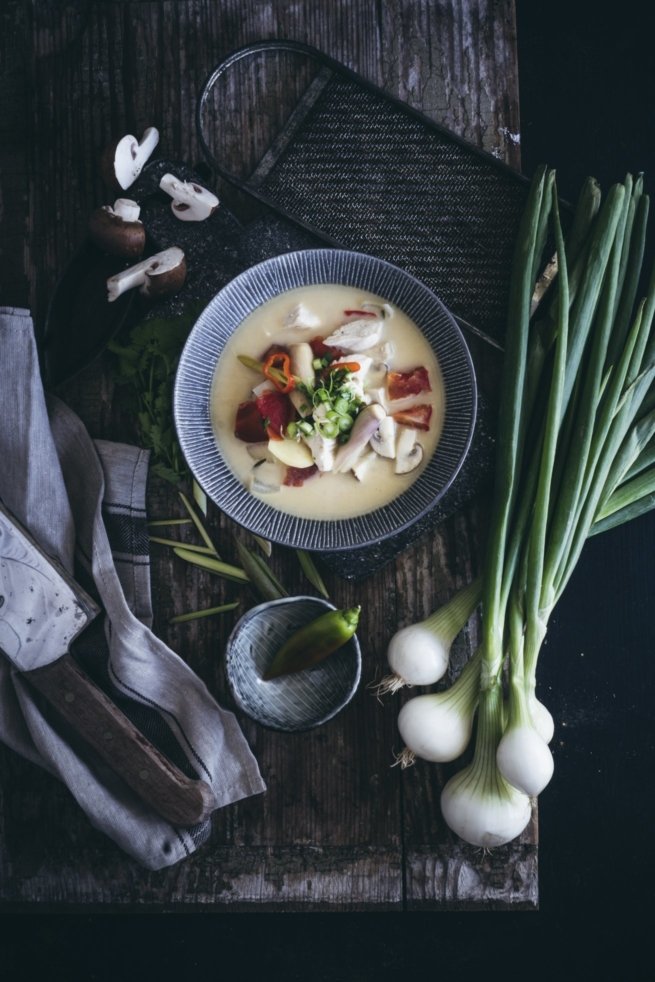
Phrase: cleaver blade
(42, 610)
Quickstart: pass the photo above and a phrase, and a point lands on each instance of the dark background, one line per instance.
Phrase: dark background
(587, 83)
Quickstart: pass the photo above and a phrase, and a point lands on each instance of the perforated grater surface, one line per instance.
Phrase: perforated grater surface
(366, 172)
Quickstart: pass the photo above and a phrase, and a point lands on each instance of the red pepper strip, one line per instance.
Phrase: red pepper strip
(276, 412)
(348, 366)
(401, 384)
(417, 416)
(249, 425)
(359, 313)
(277, 369)
(296, 476)
(323, 350)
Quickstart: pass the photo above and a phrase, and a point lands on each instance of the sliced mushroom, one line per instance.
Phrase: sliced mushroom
(259, 451)
(117, 229)
(383, 440)
(363, 465)
(191, 202)
(358, 335)
(409, 452)
(266, 477)
(124, 159)
(157, 276)
(365, 426)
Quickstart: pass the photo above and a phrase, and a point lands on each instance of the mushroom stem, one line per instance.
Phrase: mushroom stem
(126, 209)
(160, 274)
(123, 161)
(191, 202)
(365, 426)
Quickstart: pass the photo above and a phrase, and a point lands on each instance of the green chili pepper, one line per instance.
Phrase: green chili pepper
(313, 642)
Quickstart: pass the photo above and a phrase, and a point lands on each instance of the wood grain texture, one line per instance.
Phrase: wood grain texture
(339, 827)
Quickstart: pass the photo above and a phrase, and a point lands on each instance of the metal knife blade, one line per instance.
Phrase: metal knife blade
(40, 612)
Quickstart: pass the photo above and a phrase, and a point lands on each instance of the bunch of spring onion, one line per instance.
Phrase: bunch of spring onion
(575, 455)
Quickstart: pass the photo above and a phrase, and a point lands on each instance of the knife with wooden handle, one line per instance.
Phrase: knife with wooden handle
(42, 610)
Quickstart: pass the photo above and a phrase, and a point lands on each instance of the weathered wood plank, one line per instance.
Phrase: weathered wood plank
(339, 828)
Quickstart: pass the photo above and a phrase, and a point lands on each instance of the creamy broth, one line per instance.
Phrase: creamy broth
(325, 495)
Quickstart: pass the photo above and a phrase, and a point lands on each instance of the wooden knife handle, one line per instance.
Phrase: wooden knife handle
(177, 798)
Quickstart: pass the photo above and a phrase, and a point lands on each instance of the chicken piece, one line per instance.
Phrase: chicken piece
(302, 317)
(358, 335)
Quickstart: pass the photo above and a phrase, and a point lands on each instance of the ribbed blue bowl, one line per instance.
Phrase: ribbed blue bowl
(298, 701)
(226, 312)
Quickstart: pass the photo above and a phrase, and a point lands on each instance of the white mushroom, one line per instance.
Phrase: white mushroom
(365, 426)
(383, 440)
(117, 229)
(157, 276)
(191, 202)
(259, 451)
(124, 159)
(266, 477)
(301, 317)
(409, 452)
(363, 465)
(358, 335)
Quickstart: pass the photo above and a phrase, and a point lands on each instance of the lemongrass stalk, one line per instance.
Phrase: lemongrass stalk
(199, 497)
(264, 544)
(198, 524)
(175, 543)
(260, 576)
(212, 565)
(478, 804)
(206, 612)
(308, 567)
(419, 654)
(169, 521)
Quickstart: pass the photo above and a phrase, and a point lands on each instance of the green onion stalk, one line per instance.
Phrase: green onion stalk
(575, 455)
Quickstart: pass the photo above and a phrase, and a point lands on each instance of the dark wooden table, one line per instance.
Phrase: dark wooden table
(587, 85)
(338, 828)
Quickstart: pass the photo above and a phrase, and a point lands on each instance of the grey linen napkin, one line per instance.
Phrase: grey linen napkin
(84, 502)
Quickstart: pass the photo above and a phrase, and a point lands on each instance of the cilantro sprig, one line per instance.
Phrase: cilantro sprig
(147, 360)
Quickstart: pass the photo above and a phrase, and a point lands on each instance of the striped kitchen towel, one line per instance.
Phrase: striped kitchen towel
(84, 503)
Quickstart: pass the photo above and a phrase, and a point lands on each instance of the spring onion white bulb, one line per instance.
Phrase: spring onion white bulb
(477, 803)
(542, 719)
(487, 812)
(524, 759)
(437, 726)
(419, 654)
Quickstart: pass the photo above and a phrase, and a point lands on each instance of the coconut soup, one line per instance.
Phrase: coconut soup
(327, 402)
